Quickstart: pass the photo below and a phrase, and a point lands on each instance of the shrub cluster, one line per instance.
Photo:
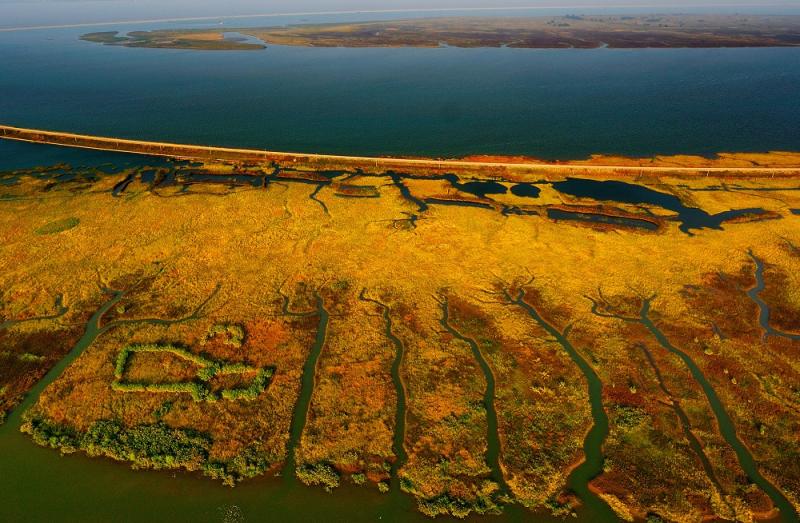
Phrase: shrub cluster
(233, 332)
(459, 507)
(319, 474)
(127, 351)
(156, 446)
(152, 446)
(249, 464)
(208, 370)
(252, 392)
(198, 391)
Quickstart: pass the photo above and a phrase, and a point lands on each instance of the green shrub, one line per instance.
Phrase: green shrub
(153, 446)
(629, 417)
(447, 504)
(252, 392)
(51, 435)
(163, 410)
(208, 370)
(358, 478)
(319, 474)
(58, 226)
(27, 357)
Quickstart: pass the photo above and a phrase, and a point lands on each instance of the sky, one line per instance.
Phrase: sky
(15, 13)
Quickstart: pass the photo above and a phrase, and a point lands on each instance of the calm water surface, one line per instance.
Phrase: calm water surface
(438, 102)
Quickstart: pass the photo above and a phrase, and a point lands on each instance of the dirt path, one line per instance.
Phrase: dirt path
(201, 152)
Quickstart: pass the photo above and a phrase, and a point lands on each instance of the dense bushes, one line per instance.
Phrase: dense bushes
(152, 446)
(156, 446)
(198, 391)
(447, 504)
(319, 474)
(248, 464)
(125, 354)
(258, 386)
(208, 370)
(51, 435)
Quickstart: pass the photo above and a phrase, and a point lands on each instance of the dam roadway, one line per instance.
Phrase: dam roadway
(366, 163)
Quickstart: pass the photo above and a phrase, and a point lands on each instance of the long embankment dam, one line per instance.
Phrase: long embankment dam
(370, 163)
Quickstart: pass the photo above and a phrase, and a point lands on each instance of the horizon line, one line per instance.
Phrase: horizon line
(372, 11)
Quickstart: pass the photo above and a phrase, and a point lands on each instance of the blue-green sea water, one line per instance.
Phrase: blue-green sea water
(434, 102)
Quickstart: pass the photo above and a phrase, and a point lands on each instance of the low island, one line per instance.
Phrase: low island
(583, 32)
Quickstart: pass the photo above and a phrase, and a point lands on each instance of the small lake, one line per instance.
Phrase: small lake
(623, 192)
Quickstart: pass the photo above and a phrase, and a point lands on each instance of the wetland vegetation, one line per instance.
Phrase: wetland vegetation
(474, 351)
(574, 31)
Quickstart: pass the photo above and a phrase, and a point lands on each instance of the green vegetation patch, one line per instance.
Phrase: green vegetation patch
(58, 226)
(156, 446)
(448, 504)
(249, 463)
(199, 390)
(153, 446)
(233, 333)
(319, 474)
(30, 358)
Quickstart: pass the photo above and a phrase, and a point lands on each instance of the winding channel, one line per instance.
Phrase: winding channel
(307, 382)
(724, 421)
(398, 441)
(694, 443)
(60, 311)
(492, 436)
(763, 309)
(93, 330)
(592, 465)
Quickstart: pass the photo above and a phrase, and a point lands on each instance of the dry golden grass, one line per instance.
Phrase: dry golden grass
(258, 244)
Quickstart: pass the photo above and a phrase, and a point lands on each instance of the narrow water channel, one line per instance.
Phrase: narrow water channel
(763, 308)
(675, 404)
(398, 441)
(492, 435)
(724, 422)
(592, 465)
(60, 311)
(308, 380)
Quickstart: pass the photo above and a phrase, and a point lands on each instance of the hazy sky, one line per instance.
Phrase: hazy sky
(41, 12)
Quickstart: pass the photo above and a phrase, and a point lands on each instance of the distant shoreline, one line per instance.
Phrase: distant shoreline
(362, 11)
(659, 31)
(751, 164)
